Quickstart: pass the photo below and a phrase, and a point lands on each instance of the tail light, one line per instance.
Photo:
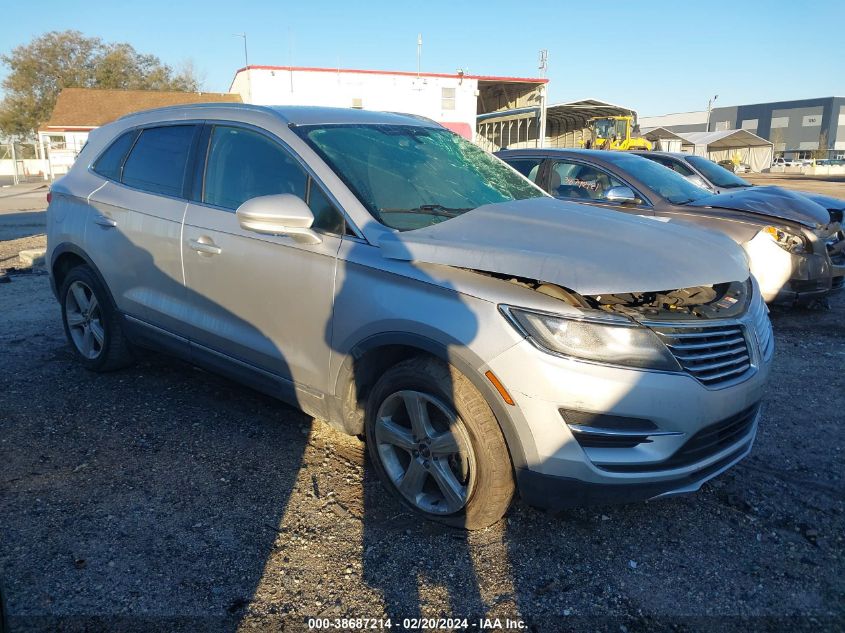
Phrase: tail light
(49, 197)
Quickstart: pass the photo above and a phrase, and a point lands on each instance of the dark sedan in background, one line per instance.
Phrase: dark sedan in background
(705, 173)
(784, 234)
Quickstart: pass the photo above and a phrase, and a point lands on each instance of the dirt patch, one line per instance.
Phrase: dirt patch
(826, 185)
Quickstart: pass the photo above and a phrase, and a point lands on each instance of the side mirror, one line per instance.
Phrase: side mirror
(279, 214)
(621, 195)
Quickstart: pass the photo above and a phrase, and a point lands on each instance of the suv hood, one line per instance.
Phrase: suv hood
(586, 249)
(773, 202)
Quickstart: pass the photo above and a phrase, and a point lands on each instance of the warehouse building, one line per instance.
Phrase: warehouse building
(806, 128)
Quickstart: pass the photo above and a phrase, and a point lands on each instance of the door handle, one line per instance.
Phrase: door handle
(105, 222)
(204, 246)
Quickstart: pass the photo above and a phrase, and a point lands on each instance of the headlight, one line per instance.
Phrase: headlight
(610, 341)
(786, 240)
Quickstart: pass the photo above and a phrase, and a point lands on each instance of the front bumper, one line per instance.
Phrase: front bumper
(557, 492)
(790, 278)
(562, 470)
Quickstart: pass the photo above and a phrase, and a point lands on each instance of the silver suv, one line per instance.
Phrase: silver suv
(388, 276)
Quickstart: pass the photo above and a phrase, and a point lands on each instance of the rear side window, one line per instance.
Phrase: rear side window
(243, 165)
(674, 165)
(158, 161)
(109, 163)
(528, 167)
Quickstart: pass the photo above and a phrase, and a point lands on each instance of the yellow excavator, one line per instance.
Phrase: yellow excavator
(616, 133)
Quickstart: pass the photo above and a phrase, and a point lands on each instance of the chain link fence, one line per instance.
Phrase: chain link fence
(22, 162)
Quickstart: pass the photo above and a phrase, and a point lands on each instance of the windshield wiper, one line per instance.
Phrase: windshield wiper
(430, 209)
(682, 202)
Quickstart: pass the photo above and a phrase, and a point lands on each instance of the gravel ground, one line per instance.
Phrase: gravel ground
(162, 497)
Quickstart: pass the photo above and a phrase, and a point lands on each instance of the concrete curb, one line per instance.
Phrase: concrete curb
(33, 257)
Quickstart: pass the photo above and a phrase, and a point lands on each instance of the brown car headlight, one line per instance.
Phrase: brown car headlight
(786, 240)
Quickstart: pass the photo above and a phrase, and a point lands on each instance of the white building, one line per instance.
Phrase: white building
(453, 100)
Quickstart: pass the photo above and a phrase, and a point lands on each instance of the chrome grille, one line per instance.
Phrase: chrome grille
(713, 354)
(762, 328)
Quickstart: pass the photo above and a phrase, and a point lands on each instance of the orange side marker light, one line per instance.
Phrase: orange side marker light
(499, 387)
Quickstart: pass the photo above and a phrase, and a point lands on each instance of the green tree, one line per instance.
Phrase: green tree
(68, 59)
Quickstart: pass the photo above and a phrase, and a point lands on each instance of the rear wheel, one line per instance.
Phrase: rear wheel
(92, 325)
(436, 444)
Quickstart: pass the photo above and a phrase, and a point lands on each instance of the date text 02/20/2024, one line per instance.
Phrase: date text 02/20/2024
(447, 624)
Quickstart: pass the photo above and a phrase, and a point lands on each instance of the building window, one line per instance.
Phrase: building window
(812, 120)
(57, 141)
(750, 125)
(358, 103)
(814, 145)
(780, 121)
(722, 125)
(447, 98)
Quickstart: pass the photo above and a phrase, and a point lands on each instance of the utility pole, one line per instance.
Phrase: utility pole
(246, 56)
(542, 67)
(246, 68)
(710, 103)
(14, 164)
(419, 53)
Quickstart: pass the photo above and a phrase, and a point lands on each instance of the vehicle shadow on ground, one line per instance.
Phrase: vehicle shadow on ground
(184, 502)
(182, 494)
(401, 552)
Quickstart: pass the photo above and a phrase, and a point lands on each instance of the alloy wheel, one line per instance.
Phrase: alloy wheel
(84, 320)
(425, 450)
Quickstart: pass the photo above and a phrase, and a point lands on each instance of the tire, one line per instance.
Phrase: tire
(93, 329)
(454, 432)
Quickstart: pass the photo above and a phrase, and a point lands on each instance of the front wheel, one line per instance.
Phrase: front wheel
(436, 444)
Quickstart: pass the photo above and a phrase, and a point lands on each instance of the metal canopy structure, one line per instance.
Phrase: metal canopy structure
(566, 124)
(509, 113)
(575, 114)
(737, 145)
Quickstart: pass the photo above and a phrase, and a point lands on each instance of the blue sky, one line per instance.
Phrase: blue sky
(655, 56)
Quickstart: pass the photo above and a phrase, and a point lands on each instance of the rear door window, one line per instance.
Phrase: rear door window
(528, 167)
(159, 159)
(674, 165)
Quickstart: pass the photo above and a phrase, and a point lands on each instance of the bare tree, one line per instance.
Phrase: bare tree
(821, 152)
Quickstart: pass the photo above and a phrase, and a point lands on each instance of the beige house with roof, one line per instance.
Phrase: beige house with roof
(80, 110)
